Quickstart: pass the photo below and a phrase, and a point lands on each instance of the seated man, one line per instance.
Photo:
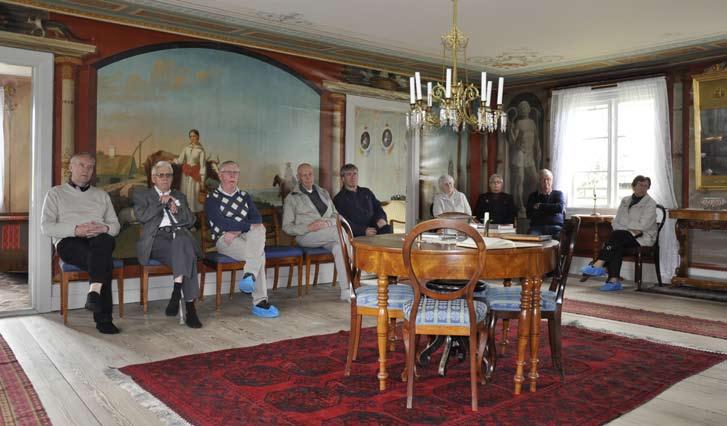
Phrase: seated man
(309, 216)
(634, 225)
(359, 205)
(449, 199)
(82, 223)
(237, 228)
(165, 216)
(546, 208)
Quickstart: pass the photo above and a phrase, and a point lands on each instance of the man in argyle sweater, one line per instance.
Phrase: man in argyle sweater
(237, 227)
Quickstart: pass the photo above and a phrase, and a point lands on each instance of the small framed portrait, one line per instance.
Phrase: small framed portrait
(365, 143)
(387, 140)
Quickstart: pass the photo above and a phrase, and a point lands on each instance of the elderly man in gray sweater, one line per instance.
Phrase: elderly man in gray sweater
(82, 223)
(309, 216)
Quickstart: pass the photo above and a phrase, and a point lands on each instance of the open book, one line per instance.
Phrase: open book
(496, 243)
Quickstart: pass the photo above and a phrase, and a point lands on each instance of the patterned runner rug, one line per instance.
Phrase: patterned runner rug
(19, 404)
(301, 381)
(681, 323)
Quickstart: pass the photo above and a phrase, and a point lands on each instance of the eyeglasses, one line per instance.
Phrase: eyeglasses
(231, 172)
(165, 175)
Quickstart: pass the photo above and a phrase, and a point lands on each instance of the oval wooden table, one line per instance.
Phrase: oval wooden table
(381, 254)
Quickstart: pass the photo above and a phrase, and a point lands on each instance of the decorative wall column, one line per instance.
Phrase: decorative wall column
(332, 146)
(67, 123)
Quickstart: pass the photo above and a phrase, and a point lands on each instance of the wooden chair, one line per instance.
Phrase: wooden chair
(364, 299)
(217, 262)
(396, 213)
(70, 273)
(277, 255)
(504, 303)
(434, 313)
(317, 256)
(153, 268)
(638, 254)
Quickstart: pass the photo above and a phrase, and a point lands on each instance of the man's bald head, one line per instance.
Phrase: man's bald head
(305, 175)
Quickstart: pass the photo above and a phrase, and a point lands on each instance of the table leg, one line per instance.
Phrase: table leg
(682, 234)
(382, 328)
(535, 332)
(523, 331)
(596, 247)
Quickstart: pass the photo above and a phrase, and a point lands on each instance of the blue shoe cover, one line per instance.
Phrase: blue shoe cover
(593, 271)
(611, 286)
(246, 284)
(270, 312)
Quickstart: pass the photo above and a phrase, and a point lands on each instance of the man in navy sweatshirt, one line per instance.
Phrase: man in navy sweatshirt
(359, 205)
(546, 208)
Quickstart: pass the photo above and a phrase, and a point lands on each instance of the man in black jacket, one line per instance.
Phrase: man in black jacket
(359, 205)
(546, 208)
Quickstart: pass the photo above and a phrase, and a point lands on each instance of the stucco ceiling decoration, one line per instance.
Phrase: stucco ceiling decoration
(520, 40)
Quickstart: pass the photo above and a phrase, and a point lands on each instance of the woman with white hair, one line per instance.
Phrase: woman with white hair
(449, 199)
(499, 205)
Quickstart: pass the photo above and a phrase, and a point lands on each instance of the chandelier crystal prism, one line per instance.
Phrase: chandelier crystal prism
(456, 100)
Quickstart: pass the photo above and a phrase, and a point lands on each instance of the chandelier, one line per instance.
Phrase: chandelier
(456, 100)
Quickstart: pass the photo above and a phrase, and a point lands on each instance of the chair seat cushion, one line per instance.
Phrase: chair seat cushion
(219, 258)
(508, 299)
(276, 252)
(315, 251)
(367, 296)
(67, 267)
(445, 312)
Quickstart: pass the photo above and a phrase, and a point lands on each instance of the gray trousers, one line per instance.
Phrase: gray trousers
(250, 248)
(328, 238)
(178, 254)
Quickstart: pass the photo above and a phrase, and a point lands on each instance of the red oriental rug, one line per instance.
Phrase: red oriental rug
(685, 324)
(19, 404)
(301, 381)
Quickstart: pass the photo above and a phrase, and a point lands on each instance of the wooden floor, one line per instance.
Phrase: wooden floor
(72, 368)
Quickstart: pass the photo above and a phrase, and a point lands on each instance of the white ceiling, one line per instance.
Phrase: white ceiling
(506, 37)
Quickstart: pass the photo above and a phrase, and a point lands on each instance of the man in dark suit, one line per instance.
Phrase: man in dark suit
(546, 208)
(165, 215)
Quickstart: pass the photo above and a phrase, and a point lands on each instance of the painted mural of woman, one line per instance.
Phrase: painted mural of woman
(193, 160)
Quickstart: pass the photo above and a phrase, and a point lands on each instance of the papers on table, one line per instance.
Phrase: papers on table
(497, 243)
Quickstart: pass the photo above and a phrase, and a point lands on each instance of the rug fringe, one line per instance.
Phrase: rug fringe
(578, 324)
(145, 399)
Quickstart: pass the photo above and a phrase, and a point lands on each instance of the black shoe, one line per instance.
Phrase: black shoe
(93, 301)
(107, 328)
(173, 306)
(191, 319)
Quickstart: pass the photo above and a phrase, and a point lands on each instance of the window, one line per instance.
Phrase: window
(609, 150)
(603, 138)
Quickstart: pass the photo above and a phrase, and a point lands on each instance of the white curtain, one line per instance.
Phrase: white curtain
(2, 149)
(654, 130)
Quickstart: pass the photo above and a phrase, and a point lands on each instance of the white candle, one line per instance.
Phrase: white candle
(418, 79)
(489, 93)
(429, 93)
(411, 90)
(483, 87)
(448, 87)
(486, 217)
(500, 83)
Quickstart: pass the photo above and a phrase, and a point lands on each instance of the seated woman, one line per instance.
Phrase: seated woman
(633, 226)
(500, 205)
(449, 199)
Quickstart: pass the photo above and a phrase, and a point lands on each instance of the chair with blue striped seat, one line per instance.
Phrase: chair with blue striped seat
(365, 299)
(454, 313)
(69, 272)
(504, 303)
(153, 268)
(316, 256)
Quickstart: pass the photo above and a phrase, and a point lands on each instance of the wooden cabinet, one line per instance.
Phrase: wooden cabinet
(706, 220)
(594, 230)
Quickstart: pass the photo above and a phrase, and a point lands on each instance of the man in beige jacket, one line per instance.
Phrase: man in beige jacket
(309, 216)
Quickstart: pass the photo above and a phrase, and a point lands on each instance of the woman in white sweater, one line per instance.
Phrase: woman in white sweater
(633, 226)
(449, 199)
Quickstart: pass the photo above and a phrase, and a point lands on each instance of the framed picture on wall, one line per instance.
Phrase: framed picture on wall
(710, 128)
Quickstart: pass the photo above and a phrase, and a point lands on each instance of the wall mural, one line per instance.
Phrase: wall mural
(245, 109)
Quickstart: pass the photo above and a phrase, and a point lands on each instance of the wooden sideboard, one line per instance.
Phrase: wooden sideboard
(706, 220)
(593, 231)
(14, 242)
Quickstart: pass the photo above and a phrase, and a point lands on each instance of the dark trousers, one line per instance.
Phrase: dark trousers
(552, 230)
(386, 229)
(176, 250)
(93, 255)
(613, 251)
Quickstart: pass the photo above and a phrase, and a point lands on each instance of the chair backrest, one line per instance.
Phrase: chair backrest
(272, 225)
(426, 263)
(661, 224)
(345, 235)
(456, 216)
(568, 236)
